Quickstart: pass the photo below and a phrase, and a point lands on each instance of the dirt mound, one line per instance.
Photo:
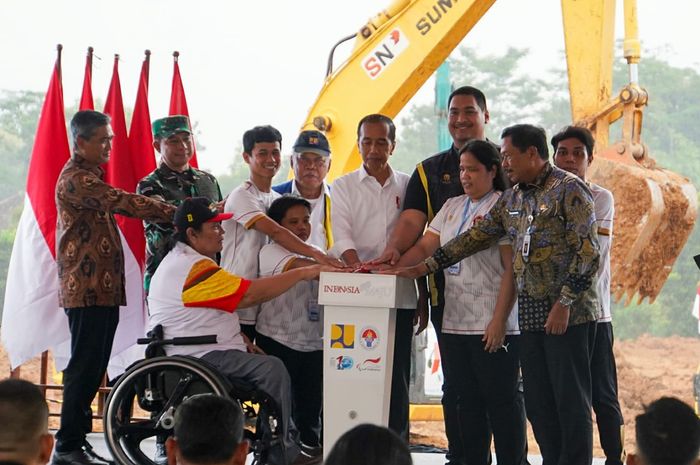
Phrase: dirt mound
(648, 368)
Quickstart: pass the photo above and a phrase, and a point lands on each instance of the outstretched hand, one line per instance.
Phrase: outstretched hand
(390, 256)
(412, 272)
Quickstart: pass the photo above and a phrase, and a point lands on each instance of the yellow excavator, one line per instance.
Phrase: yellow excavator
(399, 48)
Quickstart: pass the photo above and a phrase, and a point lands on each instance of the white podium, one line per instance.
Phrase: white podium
(359, 319)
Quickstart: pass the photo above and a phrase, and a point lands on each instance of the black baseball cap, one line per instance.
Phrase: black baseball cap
(195, 211)
(312, 141)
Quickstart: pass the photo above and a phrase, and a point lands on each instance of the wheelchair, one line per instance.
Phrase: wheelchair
(143, 401)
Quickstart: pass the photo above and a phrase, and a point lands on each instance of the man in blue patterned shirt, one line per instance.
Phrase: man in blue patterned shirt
(549, 217)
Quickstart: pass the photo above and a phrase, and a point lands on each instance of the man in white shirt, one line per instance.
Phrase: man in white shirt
(250, 226)
(310, 162)
(573, 152)
(365, 207)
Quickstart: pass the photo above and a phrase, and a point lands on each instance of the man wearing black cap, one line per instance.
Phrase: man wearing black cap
(311, 161)
(191, 295)
(173, 181)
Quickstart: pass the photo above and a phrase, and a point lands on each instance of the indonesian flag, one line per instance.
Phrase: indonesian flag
(696, 305)
(86, 102)
(120, 173)
(178, 103)
(32, 320)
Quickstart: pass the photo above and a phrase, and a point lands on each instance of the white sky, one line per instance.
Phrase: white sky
(260, 62)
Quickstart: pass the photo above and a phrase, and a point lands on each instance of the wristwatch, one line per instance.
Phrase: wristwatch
(566, 301)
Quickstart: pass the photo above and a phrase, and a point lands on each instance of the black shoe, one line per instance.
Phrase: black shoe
(161, 456)
(87, 447)
(311, 450)
(305, 459)
(79, 457)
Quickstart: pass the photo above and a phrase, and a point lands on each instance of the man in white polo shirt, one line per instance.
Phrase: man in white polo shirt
(573, 152)
(365, 207)
(250, 227)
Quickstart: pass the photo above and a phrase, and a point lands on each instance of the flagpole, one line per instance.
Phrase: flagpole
(148, 61)
(59, 49)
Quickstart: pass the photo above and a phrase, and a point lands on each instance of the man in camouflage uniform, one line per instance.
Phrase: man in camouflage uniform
(173, 181)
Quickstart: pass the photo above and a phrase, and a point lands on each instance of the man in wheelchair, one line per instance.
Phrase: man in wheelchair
(190, 295)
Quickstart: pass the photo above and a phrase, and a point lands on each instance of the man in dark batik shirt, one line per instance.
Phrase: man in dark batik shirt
(549, 217)
(173, 181)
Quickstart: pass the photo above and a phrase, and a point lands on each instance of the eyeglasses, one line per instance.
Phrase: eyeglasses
(317, 162)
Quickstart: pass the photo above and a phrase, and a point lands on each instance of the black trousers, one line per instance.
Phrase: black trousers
(92, 333)
(455, 450)
(605, 402)
(489, 400)
(250, 331)
(557, 381)
(306, 374)
(400, 404)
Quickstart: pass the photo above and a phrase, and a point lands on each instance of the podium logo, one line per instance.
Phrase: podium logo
(370, 364)
(342, 336)
(369, 338)
(336, 289)
(342, 362)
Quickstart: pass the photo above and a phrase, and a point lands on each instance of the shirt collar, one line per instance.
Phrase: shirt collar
(83, 163)
(365, 175)
(539, 180)
(324, 189)
(168, 171)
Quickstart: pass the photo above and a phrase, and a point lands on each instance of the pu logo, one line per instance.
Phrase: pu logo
(385, 53)
(342, 336)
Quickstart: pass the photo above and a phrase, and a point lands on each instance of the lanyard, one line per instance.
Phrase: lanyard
(466, 215)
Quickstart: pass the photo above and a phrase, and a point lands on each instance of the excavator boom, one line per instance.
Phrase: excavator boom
(394, 54)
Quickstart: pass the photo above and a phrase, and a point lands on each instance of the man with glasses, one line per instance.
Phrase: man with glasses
(310, 162)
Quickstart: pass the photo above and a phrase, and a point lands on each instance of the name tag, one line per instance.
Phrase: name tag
(314, 310)
(454, 269)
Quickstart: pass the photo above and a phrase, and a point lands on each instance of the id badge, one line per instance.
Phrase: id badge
(454, 269)
(314, 310)
(526, 245)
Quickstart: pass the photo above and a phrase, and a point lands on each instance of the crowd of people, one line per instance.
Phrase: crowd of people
(510, 251)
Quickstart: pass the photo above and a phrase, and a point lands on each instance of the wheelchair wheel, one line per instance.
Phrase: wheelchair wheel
(142, 403)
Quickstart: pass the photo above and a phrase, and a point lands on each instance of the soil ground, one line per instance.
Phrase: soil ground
(648, 368)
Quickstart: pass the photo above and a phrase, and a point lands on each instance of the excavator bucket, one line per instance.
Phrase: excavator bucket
(655, 211)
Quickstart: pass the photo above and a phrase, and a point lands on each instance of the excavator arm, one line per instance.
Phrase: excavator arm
(394, 54)
(398, 49)
(655, 209)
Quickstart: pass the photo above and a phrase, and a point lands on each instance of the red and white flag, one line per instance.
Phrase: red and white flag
(32, 320)
(119, 172)
(178, 103)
